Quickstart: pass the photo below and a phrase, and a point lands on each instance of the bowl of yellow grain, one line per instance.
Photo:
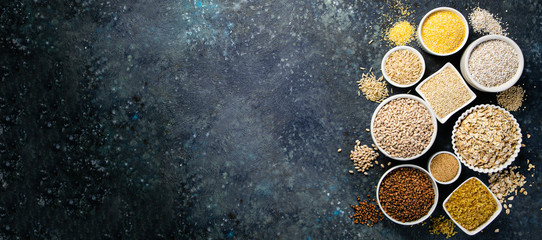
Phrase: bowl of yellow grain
(443, 31)
(403, 66)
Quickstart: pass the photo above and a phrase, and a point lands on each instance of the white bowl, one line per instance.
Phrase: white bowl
(464, 64)
(431, 210)
(482, 226)
(458, 170)
(483, 170)
(472, 94)
(419, 32)
(433, 119)
(382, 66)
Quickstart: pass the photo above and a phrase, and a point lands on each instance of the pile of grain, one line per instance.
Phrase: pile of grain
(483, 22)
(506, 182)
(512, 98)
(372, 88)
(363, 157)
(366, 212)
(440, 225)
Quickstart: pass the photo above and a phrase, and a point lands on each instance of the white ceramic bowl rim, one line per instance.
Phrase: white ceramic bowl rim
(433, 183)
(382, 66)
(458, 170)
(419, 33)
(507, 84)
(483, 225)
(484, 170)
(433, 120)
(471, 93)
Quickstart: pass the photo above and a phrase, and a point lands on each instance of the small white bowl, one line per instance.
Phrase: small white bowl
(419, 32)
(464, 64)
(483, 170)
(472, 94)
(382, 66)
(458, 166)
(431, 210)
(482, 226)
(433, 119)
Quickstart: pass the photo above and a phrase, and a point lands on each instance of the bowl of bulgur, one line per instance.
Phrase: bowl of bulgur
(403, 127)
(486, 138)
(472, 206)
(403, 66)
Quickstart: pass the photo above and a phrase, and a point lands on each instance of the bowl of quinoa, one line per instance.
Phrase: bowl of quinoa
(492, 63)
(486, 138)
(403, 127)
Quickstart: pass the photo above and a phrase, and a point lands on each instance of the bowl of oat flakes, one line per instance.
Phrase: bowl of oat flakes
(403, 127)
(486, 138)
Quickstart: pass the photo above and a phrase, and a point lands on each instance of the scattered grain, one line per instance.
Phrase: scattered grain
(401, 33)
(372, 88)
(483, 22)
(362, 156)
(440, 225)
(497, 230)
(511, 99)
(339, 150)
(446, 92)
(506, 182)
(366, 213)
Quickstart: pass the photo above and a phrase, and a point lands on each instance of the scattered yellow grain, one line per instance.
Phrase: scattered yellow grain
(401, 33)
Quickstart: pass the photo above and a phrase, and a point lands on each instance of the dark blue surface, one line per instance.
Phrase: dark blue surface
(215, 119)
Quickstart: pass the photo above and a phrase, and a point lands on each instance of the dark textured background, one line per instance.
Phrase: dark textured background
(214, 119)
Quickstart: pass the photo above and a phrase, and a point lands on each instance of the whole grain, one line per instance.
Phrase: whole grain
(403, 67)
(406, 194)
(403, 128)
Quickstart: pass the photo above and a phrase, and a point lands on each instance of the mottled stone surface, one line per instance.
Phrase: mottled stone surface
(215, 119)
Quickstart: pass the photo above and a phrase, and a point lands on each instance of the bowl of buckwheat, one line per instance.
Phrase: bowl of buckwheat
(403, 127)
(407, 194)
(486, 138)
